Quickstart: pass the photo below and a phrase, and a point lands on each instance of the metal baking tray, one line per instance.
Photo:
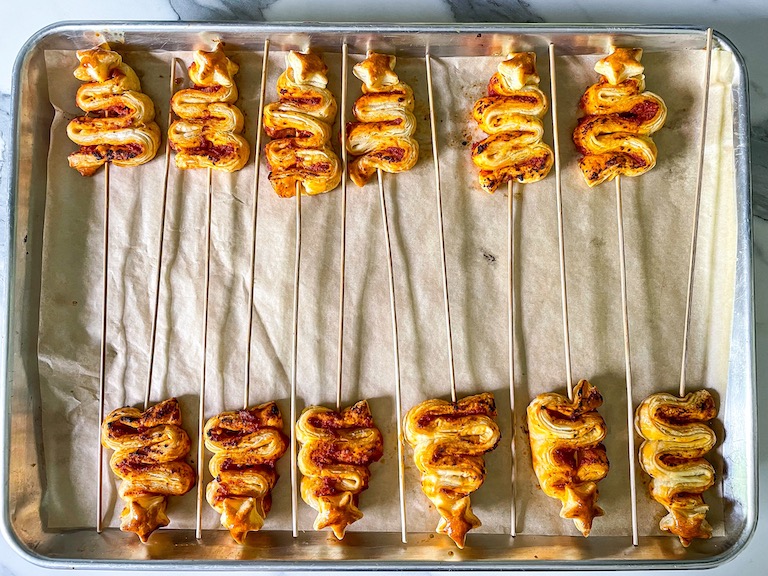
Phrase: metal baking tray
(23, 520)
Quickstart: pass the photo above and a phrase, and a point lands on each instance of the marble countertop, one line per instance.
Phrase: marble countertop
(743, 21)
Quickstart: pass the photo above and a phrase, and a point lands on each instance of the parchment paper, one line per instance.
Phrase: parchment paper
(658, 211)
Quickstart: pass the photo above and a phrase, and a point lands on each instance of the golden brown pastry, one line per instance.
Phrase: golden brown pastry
(150, 448)
(568, 455)
(614, 136)
(511, 116)
(299, 124)
(119, 127)
(676, 440)
(382, 137)
(335, 452)
(207, 135)
(449, 440)
(246, 445)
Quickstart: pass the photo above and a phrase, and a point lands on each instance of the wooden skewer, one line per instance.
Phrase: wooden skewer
(254, 211)
(103, 351)
(440, 224)
(201, 414)
(294, 365)
(697, 206)
(396, 352)
(627, 359)
(343, 247)
(511, 324)
(561, 241)
(158, 276)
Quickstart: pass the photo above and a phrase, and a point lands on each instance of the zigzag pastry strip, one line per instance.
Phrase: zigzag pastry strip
(336, 450)
(382, 137)
(119, 127)
(676, 440)
(511, 116)
(568, 455)
(208, 132)
(150, 448)
(614, 136)
(246, 444)
(449, 441)
(300, 125)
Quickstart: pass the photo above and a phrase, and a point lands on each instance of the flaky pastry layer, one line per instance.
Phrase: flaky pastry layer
(382, 137)
(150, 448)
(119, 126)
(246, 445)
(569, 458)
(614, 136)
(511, 116)
(207, 133)
(336, 451)
(449, 441)
(299, 124)
(676, 439)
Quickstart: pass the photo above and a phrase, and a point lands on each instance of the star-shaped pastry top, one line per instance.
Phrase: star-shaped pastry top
(621, 64)
(212, 68)
(97, 64)
(307, 68)
(377, 70)
(518, 70)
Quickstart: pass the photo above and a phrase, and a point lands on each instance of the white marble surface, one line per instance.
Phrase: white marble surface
(743, 21)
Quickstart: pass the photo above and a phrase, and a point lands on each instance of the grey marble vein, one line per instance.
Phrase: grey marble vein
(760, 169)
(217, 10)
(493, 11)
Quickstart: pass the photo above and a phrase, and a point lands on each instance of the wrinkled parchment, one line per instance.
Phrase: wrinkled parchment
(658, 216)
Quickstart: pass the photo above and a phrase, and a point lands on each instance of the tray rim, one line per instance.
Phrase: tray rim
(744, 280)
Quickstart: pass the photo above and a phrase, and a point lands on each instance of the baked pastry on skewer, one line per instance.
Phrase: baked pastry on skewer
(336, 451)
(207, 135)
(676, 439)
(150, 448)
(246, 445)
(299, 124)
(615, 135)
(449, 440)
(511, 116)
(119, 127)
(382, 137)
(569, 458)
